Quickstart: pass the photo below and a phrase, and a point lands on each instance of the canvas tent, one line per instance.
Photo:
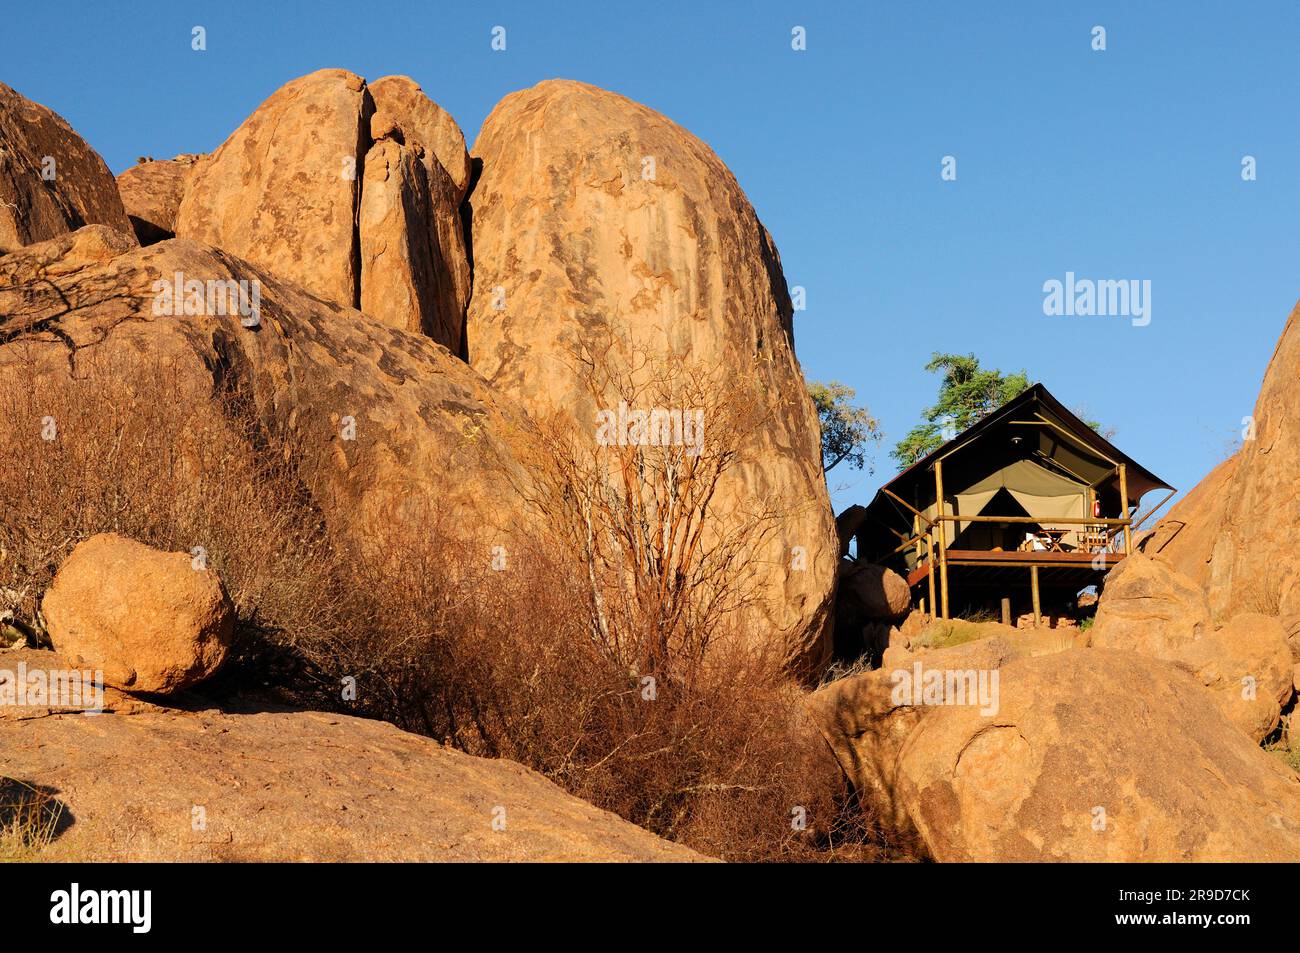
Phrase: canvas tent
(1030, 466)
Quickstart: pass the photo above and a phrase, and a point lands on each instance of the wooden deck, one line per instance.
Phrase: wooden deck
(981, 557)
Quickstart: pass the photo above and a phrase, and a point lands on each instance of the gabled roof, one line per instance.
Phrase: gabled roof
(1140, 479)
(1033, 425)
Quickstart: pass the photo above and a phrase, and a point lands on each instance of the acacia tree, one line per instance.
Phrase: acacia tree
(967, 393)
(847, 431)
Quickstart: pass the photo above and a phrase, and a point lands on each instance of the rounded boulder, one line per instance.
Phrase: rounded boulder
(152, 621)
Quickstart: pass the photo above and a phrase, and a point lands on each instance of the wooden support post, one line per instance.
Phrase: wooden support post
(943, 538)
(1033, 586)
(1123, 510)
(929, 545)
(1006, 611)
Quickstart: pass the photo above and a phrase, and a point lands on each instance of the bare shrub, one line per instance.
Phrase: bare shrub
(30, 819)
(610, 654)
(713, 753)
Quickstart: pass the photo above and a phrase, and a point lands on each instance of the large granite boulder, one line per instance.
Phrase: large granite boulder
(1254, 564)
(1247, 665)
(390, 426)
(51, 181)
(613, 249)
(1240, 521)
(1077, 755)
(1149, 607)
(342, 188)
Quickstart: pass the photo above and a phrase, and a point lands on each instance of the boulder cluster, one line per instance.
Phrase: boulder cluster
(416, 319)
(389, 296)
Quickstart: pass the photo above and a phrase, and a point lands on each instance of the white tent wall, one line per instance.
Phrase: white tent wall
(1042, 492)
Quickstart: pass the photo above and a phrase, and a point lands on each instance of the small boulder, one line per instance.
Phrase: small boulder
(847, 525)
(150, 620)
(152, 193)
(873, 592)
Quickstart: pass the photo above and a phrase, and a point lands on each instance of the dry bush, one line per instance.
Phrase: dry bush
(608, 655)
(714, 754)
(30, 819)
(667, 545)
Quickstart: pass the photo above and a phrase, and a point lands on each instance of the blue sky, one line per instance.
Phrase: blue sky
(1119, 164)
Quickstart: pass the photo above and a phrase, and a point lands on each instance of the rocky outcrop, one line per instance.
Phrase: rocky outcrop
(419, 141)
(332, 184)
(1185, 538)
(1232, 535)
(152, 192)
(151, 621)
(1149, 607)
(868, 598)
(1254, 563)
(1153, 609)
(1079, 755)
(294, 786)
(611, 247)
(51, 181)
(390, 428)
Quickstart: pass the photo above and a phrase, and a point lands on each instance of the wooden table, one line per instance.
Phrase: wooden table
(1054, 538)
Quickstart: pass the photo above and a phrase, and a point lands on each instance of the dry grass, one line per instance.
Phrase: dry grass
(1288, 756)
(29, 821)
(945, 633)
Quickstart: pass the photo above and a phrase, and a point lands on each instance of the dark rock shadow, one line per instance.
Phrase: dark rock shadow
(262, 674)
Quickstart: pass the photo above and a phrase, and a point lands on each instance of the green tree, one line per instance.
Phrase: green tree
(847, 430)
(967, 393)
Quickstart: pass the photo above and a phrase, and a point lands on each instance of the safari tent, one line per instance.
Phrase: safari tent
(1028, 505)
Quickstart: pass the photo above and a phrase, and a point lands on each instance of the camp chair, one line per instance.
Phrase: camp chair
(1096, 538)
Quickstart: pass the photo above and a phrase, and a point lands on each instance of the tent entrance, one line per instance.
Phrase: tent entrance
(995, 537)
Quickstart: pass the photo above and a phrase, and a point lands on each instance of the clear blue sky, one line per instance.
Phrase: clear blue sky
(1120, 164)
